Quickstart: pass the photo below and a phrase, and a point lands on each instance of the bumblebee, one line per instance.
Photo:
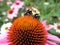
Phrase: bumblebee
(32, 11)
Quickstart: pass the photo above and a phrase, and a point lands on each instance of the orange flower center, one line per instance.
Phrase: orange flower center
(58, 27)
(17, 3)
(10, 11)
(27, 31)
(6, 28)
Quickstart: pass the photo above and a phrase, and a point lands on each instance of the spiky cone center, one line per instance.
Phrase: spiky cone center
(27, 31)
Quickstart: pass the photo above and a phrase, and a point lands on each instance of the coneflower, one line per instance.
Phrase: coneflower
(27, 31)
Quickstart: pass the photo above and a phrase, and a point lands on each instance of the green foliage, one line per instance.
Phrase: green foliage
(46, 11)
(53, 32)
(52, 9)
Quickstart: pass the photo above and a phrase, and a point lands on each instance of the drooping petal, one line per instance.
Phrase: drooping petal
(46, 44)
(3, 39)
(51, 43)
(44, 22)
(4, 44)
(54, 38)
(47, 27)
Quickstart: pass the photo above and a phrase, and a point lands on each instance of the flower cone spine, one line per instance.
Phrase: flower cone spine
(27, 31)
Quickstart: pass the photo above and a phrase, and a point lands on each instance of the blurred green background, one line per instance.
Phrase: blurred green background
(48, 9)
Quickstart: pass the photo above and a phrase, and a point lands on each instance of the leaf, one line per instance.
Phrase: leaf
(53, 32)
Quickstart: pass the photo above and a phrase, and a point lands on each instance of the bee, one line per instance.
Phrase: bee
(32, 11)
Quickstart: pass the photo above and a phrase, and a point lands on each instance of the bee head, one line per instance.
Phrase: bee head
(28, 12)
(32, 12)
(36, 16)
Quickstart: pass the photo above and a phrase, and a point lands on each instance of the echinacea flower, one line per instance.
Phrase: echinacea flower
(54, 39)
(17, 4)
(12, 13)
(27, 31)
(3, 35)
(5, 27)
(56, 26)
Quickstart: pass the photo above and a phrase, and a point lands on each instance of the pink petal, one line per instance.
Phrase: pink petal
(47, 27)
(1, 0)
(4, 44)
(47, 44)
(3, 38)
(54, 38)
(50, 43)
(17, 6)
(44, 22)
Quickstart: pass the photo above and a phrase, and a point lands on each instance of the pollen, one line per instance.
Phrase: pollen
(27, 31)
